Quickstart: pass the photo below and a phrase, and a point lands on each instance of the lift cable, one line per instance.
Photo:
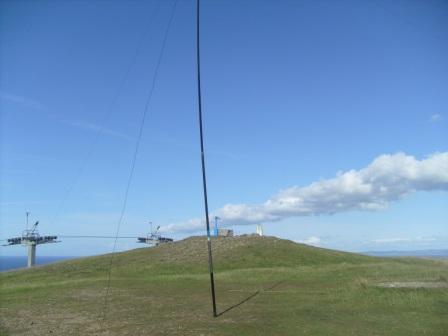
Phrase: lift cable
(134, 159)
(90, 236)
(99, 237)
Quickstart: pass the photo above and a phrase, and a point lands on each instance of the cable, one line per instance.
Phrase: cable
(114, 237)
(107, 114)
(134, 159)
(204, 180)
(89, 236)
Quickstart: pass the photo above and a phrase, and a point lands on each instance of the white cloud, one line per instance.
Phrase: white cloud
(86, 126)
(386, 179)
(314, 241)
(390, 240)
(402, 240)
(21, 100)
(95, 128)
(436, 118)
(191, 225)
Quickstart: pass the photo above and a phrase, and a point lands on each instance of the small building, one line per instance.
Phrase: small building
(225, 233)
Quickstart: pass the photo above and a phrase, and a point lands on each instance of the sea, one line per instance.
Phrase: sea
(434, 254)
(8, 263)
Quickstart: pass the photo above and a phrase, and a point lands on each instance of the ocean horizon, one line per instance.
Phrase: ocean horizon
(8, 263)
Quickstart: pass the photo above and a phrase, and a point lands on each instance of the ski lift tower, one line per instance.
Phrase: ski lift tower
(154, 238)
(31, 238)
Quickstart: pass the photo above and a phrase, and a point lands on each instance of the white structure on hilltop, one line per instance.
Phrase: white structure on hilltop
(259, 230)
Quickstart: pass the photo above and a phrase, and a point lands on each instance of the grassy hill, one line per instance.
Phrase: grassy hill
(265, 286)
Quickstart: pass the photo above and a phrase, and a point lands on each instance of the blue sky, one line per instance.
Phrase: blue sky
(293, 93)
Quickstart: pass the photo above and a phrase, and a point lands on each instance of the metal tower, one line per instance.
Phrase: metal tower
(154, 238)
(31, 238)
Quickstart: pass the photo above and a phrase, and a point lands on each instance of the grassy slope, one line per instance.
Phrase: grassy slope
(265, 286)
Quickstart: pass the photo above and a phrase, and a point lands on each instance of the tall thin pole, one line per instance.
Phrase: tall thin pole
(216, 225)
(204, 182)
(27, 215)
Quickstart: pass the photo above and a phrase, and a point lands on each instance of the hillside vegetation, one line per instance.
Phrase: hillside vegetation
(265, 286)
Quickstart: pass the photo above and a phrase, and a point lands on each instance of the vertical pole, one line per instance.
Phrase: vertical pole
(31, 254)
(204, 182)
(27, 215)
(216, 226)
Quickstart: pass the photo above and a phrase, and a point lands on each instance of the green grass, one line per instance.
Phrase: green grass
(265, 286)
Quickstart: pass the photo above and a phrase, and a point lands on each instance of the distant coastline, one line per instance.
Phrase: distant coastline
(416, 253)
(8, 263)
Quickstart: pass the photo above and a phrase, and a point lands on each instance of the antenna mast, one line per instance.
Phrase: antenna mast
(204, 182)
(27, 215)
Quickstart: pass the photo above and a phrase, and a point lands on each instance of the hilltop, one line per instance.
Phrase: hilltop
(265, 286)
